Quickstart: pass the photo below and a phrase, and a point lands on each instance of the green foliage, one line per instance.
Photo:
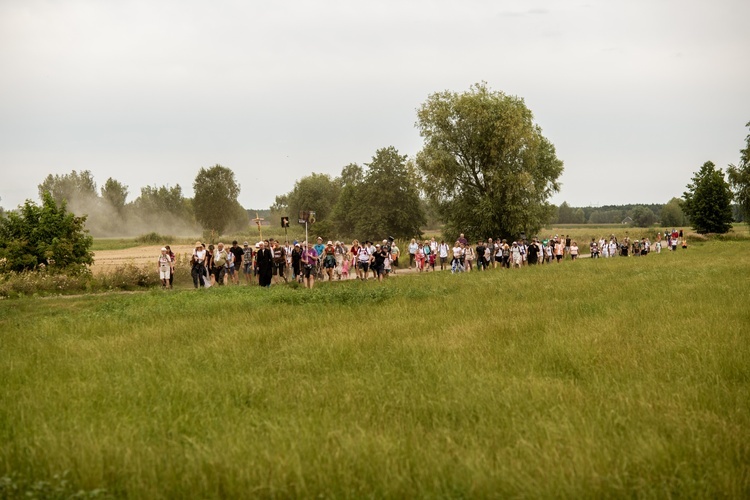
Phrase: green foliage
(579, 216)
(215, 202)
(153, 238)
(708, 201)
(567, 214)
(159, 202)
(70, 188)
(157, 208)
(642, 217)
(352, 175)
(672, 214)
(485, 164)
(48, 235)
(115, 193)
(739, 179)
(382, 202)
(316, 192)
(606, 216)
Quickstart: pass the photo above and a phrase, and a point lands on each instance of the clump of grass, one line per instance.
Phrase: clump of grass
(58, 487)
(42, 283)
(128, 277)
(153, 238)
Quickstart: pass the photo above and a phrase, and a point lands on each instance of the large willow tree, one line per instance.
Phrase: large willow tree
(485, 164)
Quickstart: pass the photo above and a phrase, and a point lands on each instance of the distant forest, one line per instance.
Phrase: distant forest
(669, 214)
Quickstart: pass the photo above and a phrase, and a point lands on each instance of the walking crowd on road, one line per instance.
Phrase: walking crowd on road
(271, 261)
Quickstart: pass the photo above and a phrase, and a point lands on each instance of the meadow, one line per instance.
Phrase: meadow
(625, 377)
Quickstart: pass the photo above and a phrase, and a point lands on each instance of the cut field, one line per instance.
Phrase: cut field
(598, 378)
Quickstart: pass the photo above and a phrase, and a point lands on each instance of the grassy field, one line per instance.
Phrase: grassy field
(617, 378)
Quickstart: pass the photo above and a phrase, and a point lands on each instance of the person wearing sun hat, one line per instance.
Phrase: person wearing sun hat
(165, 267)
(329, 259)
(319, 246)
(220, 262)
(309, 260)
(198, 260)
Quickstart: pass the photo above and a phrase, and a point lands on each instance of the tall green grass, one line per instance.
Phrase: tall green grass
(618, 377)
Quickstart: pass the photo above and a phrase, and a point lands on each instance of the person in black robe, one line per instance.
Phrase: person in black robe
(264, 261)
(533, 253)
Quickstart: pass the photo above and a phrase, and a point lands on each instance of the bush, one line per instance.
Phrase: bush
(48, 235)
(153, 239)
(128, 277)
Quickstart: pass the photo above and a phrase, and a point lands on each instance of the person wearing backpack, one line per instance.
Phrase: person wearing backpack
(329, 259)
(309, 260)
(506, 254)
(363, 261)
(220, 261)
(468, 256)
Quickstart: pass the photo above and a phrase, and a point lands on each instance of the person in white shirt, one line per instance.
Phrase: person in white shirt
(443, 251)
(363, 261)
(413, 246)
(220, 261)
(198, 260)
(612, 248)
(457, 264)
(165, 267)
(515, 255)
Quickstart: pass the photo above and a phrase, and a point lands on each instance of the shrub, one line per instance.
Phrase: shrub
(128, 277)
(153, 238)
(48, 235)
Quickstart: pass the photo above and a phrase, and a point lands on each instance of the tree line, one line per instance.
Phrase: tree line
(485, 169)
(670, 214)
(165, 209)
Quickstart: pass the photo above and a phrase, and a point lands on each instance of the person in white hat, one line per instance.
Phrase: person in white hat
(165, 267)
(198, 261)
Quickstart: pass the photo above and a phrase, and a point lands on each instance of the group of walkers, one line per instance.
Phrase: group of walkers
(271, 261)
(221, 266)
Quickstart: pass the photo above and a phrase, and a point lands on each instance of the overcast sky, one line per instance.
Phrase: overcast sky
(636, 95)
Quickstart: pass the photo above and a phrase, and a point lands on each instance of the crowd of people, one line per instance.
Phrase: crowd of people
(271, 261)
